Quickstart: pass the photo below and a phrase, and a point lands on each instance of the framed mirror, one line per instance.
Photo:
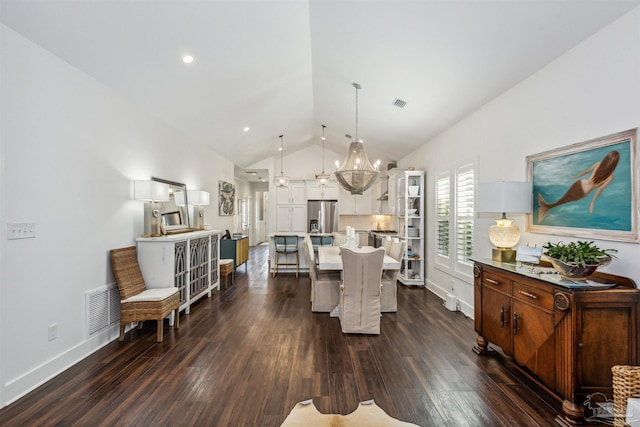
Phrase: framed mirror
(174, 214)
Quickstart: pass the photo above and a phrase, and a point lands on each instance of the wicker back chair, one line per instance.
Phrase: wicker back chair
(137, 303)
(626, 384)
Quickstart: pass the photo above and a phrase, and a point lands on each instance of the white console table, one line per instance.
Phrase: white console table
(188, 261)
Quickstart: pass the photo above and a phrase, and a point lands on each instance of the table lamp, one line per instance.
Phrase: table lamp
(151, 192)
(198, 199)
(503, 197)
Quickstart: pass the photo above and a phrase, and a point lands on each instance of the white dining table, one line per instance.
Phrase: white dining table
(329, 258)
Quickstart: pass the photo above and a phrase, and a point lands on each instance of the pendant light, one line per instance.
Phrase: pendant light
(323, 178)
(357, 173)
(281, 180)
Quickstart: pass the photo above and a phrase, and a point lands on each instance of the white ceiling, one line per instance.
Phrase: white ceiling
(286, 67)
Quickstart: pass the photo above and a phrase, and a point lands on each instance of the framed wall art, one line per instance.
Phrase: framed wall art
(227, 199)
(587, 190)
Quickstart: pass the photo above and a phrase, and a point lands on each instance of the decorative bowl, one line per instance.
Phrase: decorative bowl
(412, 211)
(573, 271)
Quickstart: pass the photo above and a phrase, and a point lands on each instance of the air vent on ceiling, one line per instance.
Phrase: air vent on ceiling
(399, 103)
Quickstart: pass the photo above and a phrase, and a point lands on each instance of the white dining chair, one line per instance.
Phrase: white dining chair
(360, 291)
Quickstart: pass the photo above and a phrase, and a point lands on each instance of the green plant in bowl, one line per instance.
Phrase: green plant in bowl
(577, 260)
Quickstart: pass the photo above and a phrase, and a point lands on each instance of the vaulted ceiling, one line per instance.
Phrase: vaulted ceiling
(287, 67)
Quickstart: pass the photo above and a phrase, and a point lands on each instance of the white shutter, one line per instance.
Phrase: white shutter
(443, 214)
(465, 187)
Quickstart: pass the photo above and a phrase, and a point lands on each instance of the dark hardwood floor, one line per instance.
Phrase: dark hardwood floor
(247, 355)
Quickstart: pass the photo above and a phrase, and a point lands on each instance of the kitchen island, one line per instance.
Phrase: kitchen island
(302, 267)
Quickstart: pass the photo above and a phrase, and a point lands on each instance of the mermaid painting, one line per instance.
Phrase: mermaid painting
(601, 177)
(588, 189)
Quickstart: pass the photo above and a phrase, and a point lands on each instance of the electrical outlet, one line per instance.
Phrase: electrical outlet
(53, 331)
(21, 230)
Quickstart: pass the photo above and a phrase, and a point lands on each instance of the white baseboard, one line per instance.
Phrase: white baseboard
(464, 307)
(18, 387)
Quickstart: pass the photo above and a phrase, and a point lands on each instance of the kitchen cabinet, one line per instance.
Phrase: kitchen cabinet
(354, 204)
(291, 218)
(392, 191)
(187, 261)
(293, 194)
(376, 193)
(317, 192)
(291, 208)
(565, 335)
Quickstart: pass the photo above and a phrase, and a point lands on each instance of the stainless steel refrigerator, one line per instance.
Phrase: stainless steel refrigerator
(322, 216)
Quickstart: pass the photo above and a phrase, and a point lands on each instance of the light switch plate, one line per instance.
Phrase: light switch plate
(21, 230)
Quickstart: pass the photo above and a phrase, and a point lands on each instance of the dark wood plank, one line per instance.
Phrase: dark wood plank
(247, 355)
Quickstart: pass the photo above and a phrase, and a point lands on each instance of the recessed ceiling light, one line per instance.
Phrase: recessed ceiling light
(246, 129)
(187, 59)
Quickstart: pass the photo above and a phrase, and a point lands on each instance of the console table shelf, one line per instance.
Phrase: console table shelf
(564, 335)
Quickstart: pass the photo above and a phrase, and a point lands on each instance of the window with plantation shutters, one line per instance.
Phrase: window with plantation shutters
(443, 209)
(454, 216)
(465, 185)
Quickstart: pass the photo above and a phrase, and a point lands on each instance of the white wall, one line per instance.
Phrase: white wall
(591, 91)
(70, 151)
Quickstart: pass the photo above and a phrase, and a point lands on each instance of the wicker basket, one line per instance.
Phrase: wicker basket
(626, 384)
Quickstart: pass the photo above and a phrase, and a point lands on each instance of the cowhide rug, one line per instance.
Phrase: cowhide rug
(368, 414)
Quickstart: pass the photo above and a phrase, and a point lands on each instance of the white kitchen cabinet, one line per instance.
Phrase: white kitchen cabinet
(354, 204)
(187, 261)
(390, 207)
(291, 218)
(291, 208)
(376, 193)
(317, 192)
(294, 194)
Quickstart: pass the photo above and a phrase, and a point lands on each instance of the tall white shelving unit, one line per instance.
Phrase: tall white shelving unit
(410, 215)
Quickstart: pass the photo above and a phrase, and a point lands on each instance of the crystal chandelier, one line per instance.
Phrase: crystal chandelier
(356, 174)
(323, 178)
(281, 180)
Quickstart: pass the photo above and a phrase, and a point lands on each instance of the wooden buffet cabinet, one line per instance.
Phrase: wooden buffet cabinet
(564, 335)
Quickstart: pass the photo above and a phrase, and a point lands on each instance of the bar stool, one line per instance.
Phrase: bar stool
(286, 245)
(226, 269)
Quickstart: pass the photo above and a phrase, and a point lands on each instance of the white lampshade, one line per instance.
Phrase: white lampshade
(151, 191)
(505, 197)
(198, 197)
(178, 198)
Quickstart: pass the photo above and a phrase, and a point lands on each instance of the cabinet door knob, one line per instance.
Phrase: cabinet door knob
(502, 316)
(493, 282)
(580, 345)
(515, 323)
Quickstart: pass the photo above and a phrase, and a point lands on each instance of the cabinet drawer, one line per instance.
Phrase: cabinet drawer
(496, 281)
(533, 295)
